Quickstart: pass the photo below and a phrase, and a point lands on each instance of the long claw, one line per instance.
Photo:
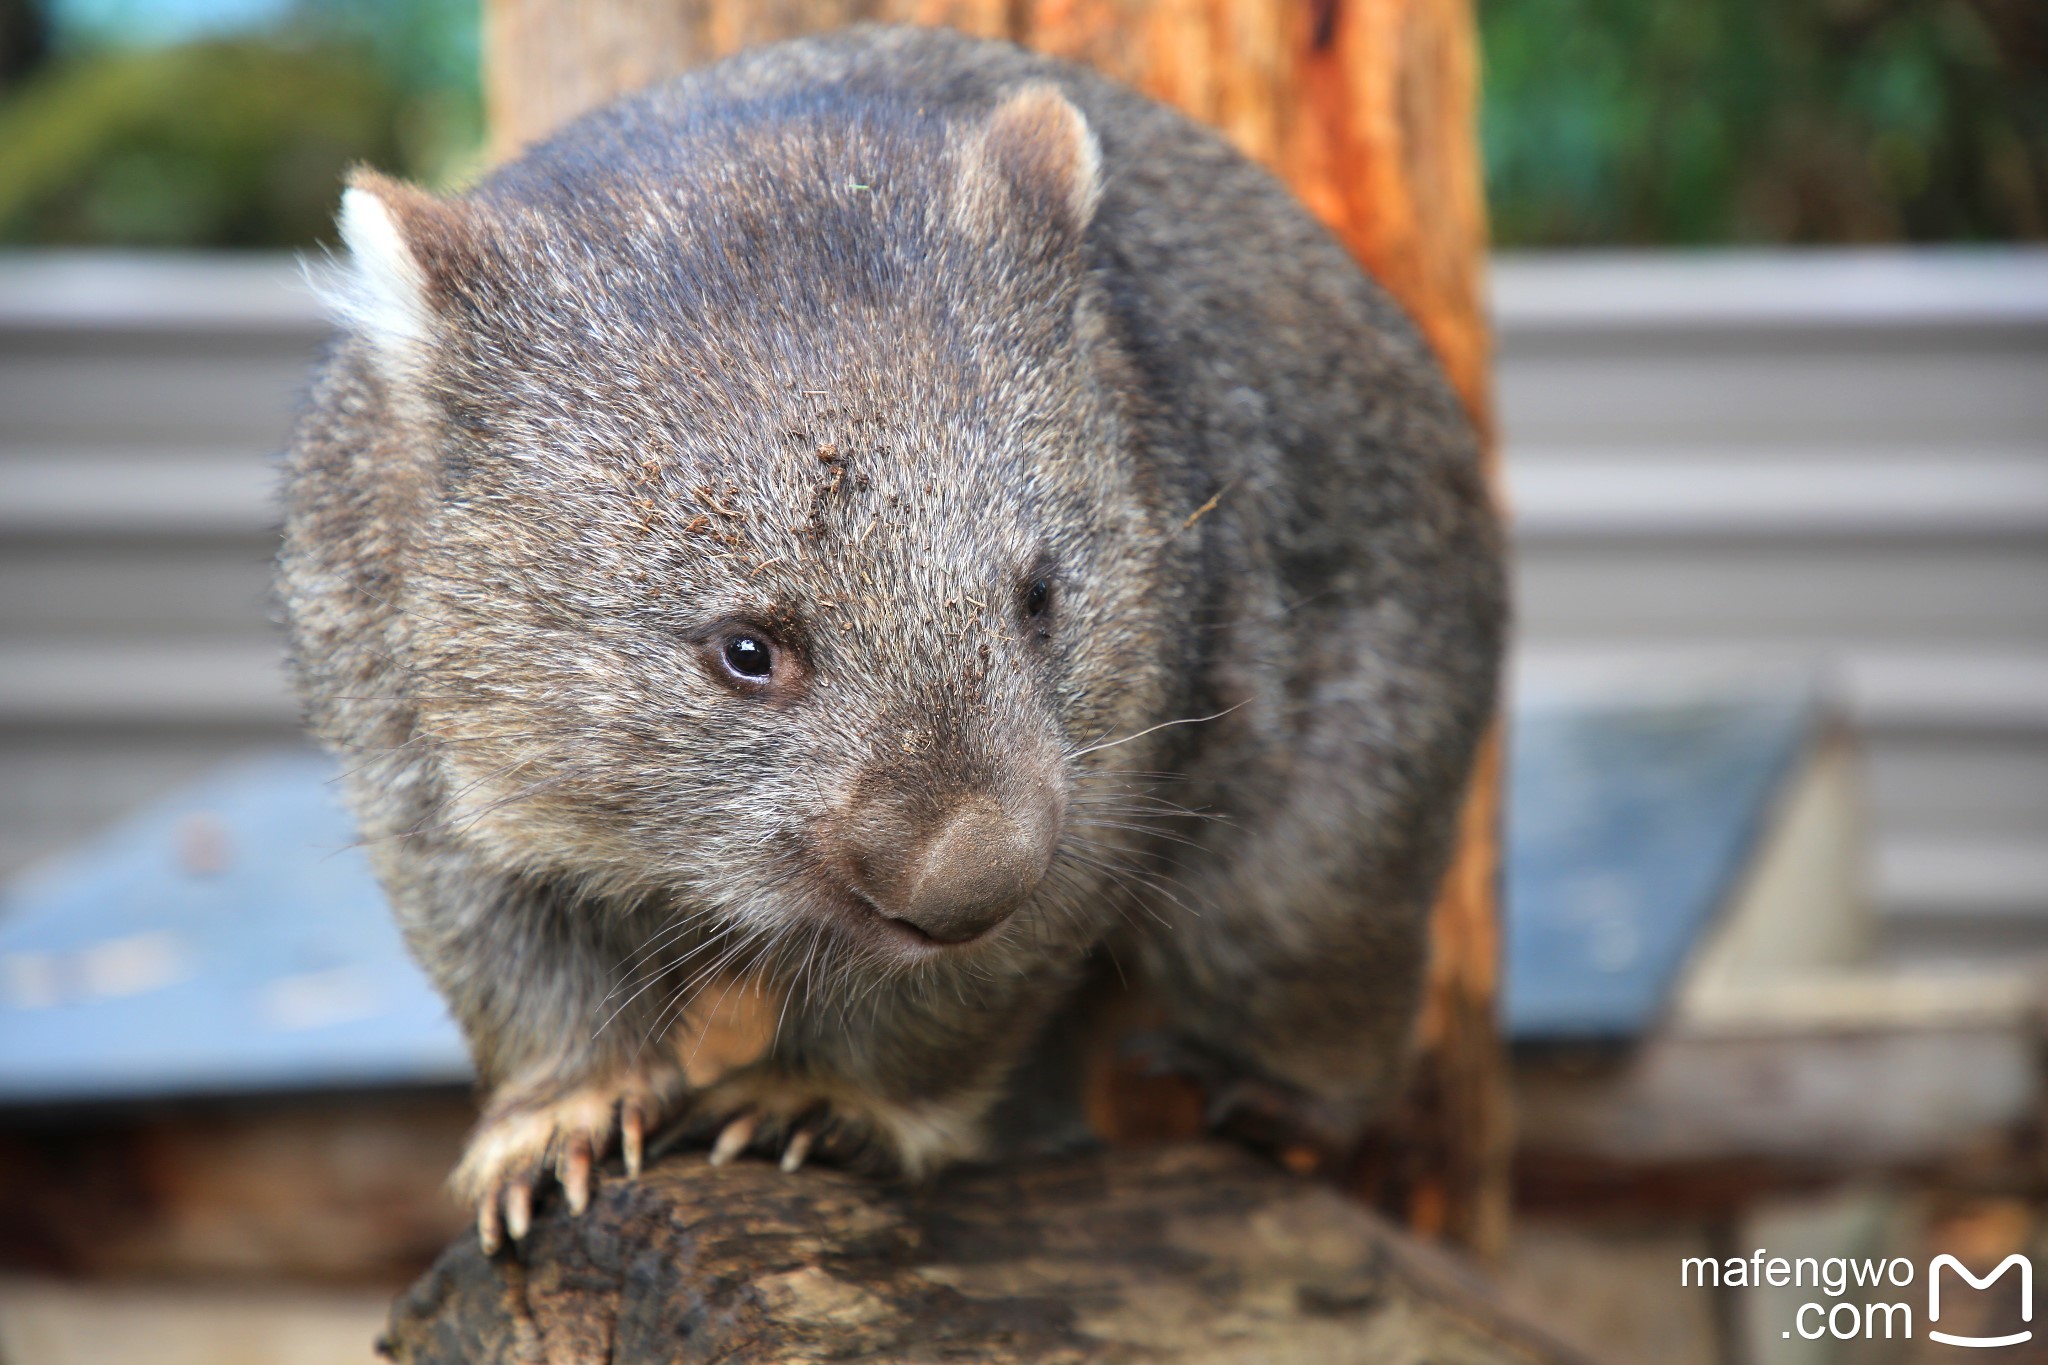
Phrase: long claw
(734, 1139)
(518, 1209)
(632, 1135)
(574, 1172)
(799, 1148)
(488, 1234)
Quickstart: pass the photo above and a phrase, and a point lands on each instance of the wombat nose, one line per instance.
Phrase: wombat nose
(979, 867)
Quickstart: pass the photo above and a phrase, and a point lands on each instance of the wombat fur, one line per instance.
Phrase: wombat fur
(821, 556)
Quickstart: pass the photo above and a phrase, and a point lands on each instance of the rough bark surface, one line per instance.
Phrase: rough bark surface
(1364, 107)
(1190, 1253)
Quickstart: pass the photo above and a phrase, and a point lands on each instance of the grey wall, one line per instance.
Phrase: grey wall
(1831, 463)
(1835, 463)
(139, 404)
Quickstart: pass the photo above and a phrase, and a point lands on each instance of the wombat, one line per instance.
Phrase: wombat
(823, 556)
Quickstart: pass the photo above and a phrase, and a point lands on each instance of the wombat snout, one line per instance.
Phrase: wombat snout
(954, 877)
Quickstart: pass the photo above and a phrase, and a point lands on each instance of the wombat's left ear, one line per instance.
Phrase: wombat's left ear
(1038, 147)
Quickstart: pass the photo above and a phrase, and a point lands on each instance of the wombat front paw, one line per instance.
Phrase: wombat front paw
(522, 1142)
(784, 1121)
(794, 1120)
(740, 1132)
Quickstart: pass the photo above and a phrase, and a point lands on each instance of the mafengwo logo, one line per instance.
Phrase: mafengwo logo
(1855, 1319)
(2014, 1261)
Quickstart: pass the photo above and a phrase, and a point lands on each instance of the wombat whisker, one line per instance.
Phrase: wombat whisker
(1122, 860)
(1280, 613)
(1148, 805)
(679, 1004)
(1126, 791)
(707, 944)
(428, 826)
(1165, 820)
(489, 808)
(426, 821)
(1116, 844)
(1127, 779)
(533, 754)
(1158, 862)
(1120, 877)
(796, 982)
(1117, 965)
(623, 1005)
(1155, 882)
(397, 696)
(1082, 924)
(866, 990)
(644, 955)
(1149, 831)
(1118, 853)
(1162, 725)
(646, 970)
(373, 753)
(1070, 892)
(1103, 793)
(733, 980)
(687, 984)
(640, 972)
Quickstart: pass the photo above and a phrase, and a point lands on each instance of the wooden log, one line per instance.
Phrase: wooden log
(1189, 1253)
(1366, 108)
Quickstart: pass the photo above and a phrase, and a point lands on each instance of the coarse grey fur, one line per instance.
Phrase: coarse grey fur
(843, 346)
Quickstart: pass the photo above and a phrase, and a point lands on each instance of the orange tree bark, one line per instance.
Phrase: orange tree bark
(1365, 107)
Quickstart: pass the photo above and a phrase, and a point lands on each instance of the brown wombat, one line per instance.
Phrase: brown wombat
(822, 555)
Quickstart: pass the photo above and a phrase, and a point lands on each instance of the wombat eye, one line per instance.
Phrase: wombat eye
(1037, 597)
(748, 656)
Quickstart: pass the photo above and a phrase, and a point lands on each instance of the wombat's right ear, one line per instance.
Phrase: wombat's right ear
(1034, 151)
(407, 250)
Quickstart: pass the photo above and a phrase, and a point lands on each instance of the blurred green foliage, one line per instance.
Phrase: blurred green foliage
(1698, 122)
(237, 141)
(1684, 122)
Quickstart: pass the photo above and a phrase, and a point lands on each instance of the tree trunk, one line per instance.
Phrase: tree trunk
(1365, 107)
(1191, 1253)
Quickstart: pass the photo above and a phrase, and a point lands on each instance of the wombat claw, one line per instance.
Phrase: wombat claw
(511, 1156)
(799, 1147)
(738, 1134)
(734, 1138)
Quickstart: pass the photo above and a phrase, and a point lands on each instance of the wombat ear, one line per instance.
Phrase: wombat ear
(1038, 147)
(406, 249)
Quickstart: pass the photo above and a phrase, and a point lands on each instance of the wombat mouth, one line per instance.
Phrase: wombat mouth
(913, 934)
(902, 934)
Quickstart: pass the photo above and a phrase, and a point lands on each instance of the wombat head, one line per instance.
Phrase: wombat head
(778, 548)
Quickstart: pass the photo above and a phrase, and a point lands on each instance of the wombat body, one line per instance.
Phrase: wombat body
(812, 561)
